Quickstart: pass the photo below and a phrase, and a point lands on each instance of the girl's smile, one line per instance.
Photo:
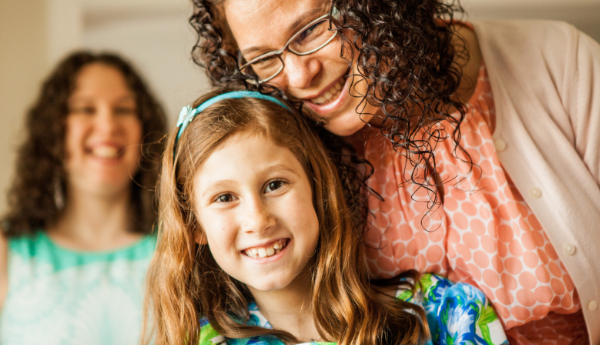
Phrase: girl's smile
(268, 252)
(254, 204)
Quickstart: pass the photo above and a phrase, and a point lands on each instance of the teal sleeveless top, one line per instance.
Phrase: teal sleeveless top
(58, 296)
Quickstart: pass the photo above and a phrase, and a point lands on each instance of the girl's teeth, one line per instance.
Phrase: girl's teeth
(338, 86)
(319, 100)
(327, 95)
(265, 252)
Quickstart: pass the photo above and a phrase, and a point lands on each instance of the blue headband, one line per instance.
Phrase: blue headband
(187, 114)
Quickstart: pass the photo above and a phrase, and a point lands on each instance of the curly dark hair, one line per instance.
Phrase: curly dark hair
(405, 50)
(40, 159)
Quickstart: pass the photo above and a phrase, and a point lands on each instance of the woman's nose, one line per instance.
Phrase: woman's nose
(257, 217)
(106, 120)
(300, 70)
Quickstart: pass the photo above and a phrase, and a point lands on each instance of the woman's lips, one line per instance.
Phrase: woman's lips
(334, 102)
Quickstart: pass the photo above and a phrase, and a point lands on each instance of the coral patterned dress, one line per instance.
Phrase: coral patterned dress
(483, 234)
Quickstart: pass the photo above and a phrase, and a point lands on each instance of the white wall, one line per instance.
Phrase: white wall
(158, 43)
(155, 35)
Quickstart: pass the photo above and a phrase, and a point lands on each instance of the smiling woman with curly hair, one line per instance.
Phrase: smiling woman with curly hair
(483, 139)
(77, 238)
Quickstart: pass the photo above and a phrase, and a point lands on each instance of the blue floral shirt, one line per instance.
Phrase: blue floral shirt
(456, 313)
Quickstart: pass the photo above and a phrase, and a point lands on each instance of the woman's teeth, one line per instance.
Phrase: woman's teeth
(105, 152)
(265, 252)
(330, 94)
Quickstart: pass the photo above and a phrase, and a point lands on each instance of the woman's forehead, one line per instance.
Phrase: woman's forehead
(259, 25)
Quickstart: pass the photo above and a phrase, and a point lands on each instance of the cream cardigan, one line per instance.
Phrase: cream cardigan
(545, 79)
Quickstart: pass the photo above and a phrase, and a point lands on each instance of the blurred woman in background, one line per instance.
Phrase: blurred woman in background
(77, 237)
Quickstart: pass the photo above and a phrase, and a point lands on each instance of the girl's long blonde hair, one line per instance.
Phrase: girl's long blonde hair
(185, 283)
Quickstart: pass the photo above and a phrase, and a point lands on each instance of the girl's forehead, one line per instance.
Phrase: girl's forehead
(243, 158)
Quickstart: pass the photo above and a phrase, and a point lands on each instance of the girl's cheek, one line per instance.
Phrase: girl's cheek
(219, 227)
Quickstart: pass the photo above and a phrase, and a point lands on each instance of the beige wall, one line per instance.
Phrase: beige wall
(23, 53)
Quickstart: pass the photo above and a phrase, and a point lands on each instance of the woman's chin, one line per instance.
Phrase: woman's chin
(348, 125)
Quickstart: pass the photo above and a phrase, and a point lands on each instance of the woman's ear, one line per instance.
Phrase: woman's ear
(200, 238)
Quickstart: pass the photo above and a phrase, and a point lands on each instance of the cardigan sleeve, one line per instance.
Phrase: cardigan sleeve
(582, 99)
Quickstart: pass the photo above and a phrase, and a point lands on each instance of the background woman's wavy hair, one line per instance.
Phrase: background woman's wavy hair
(187, 283)
(40, 177)
(404, 50)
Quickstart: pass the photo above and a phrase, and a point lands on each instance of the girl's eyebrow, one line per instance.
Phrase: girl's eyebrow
(228, 182)
(214, 185)
(292, 28)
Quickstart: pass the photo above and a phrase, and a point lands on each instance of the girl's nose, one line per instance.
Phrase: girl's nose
(300, 70)
(257, 218)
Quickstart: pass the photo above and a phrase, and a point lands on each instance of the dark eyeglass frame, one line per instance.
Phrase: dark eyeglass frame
(278, 53)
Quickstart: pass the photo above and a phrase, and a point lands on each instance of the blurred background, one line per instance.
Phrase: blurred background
(156, 37)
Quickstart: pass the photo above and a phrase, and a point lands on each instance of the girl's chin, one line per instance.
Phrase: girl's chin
(267, 286)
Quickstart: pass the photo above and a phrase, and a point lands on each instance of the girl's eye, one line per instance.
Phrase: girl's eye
(273, 186)
(224, 198)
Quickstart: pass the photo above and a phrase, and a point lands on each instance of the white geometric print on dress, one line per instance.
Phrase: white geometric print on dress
(106, 316)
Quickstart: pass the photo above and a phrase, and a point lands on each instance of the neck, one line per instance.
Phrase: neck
(289, 309)
(94, 222)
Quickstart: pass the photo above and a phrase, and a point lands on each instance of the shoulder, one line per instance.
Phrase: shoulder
(208, 336)
(524, 31)
(525, 42)
(510, 44)
(3, 266)
(456, 311)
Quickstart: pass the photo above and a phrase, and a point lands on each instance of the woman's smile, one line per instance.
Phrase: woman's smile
(330, 98)
(323, 80)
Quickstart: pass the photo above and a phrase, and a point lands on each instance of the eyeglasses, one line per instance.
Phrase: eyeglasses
(312, 37)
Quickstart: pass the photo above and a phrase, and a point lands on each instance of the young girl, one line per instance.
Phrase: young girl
(257, 245)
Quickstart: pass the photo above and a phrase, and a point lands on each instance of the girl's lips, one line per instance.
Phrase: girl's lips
(269, 259)
(324, 109)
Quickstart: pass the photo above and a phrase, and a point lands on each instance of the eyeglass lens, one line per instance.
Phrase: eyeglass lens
(306, 41)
